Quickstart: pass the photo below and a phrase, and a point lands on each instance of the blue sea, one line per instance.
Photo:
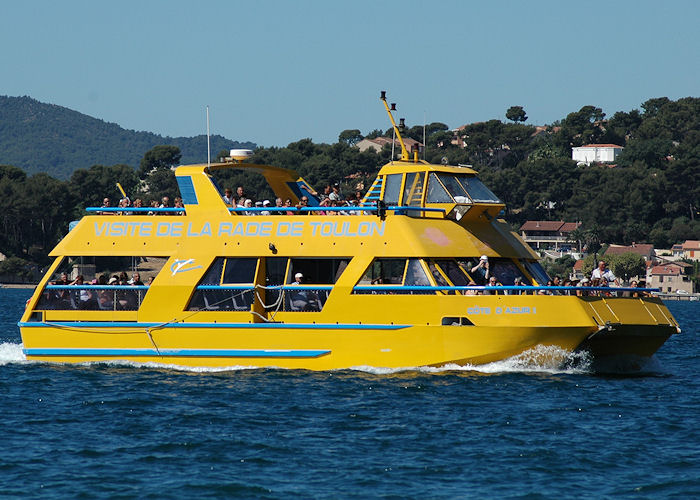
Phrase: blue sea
(523, 428)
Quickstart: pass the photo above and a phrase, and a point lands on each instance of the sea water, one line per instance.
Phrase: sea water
(535, 426)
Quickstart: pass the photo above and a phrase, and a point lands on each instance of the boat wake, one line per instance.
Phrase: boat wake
(540, 359)
(11, 353)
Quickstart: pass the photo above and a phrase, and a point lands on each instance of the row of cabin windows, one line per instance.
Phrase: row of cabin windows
(442, 188)
(242, 272)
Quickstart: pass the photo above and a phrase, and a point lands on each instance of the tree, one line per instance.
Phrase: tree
(350, 136)
(627, 265)
(159, 158)
(516, 114)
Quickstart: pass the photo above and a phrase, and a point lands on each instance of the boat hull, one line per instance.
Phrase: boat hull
(601, 326)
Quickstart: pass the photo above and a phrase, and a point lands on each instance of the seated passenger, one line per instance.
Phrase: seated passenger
(302, 300)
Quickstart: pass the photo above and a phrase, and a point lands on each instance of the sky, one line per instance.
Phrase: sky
(274, 72)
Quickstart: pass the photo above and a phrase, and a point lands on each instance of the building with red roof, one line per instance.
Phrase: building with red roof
(670, 277)
(547, 234)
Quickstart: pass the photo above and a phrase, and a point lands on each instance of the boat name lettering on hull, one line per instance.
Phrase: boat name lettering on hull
(243, 228)
(502, 310)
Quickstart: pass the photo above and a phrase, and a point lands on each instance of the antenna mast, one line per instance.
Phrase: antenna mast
(208, 142)
(404, 152)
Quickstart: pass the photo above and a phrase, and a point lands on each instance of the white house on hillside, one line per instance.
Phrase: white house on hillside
(596, 153)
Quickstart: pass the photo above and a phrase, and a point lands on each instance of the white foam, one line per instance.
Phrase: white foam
(11, 353)
(539, 359)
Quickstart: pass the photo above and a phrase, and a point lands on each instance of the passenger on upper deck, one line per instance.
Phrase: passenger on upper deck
(240, 192)
(303, 203)
(106, 204)
(601, 272)
(228, 196)
(335, 194)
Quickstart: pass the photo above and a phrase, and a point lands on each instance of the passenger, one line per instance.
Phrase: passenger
(137, 204)
(480, 272)
(303, 203)
(106, 204)
(288, 203)
(566, 283)
(302, 300)
(583, 284)
(601, 272)
(517, 281)
(165, 202)
(240, 193)
(179, 204)
(124, 203)
(326, 202)
(136, 279)
(228, 196)
(279, 203)
(493, 282)
(258, 204)
(326, 192)
(150, 281)
(265, 204)
(471, 292)
(335, 194)
(62, 296)
(248, 203)
(86, 297)
(556, 282)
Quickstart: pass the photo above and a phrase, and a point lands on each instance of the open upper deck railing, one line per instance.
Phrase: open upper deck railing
(371, 209)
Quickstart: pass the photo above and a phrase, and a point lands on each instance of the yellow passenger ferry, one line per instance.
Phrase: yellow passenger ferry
(399, 281)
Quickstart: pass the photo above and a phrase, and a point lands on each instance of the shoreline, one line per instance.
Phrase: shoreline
(17, 285)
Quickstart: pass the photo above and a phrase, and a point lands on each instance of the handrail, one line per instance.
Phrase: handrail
(364, 208)
(498, 288)
(272, 287)
(135, 209)
(96, 287)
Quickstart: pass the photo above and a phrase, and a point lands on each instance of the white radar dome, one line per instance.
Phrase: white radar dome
(241, 154)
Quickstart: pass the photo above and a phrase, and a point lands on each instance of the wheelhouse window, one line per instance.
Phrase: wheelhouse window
(458, 188)
(108, 283)
(392, 189)
(436, 191)
(413, 189)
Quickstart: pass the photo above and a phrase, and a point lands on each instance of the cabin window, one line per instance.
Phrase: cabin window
(109, 283)
(436, 191)
(240, 270)
(505, 270)
(384, 272)
(413, 190)
(415, 274)
(537, 271)
(402, 272)
(236, 279)
(392, 189)
(318, 271)
(453, 272)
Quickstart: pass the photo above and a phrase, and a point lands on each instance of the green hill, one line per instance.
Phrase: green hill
(40, 137)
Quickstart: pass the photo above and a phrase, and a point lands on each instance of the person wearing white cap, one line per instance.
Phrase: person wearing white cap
(480, 272)
(300, 300)
(265, 204)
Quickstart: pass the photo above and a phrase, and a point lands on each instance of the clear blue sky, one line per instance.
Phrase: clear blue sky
(274, 72)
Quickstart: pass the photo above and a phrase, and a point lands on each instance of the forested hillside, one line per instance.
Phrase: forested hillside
(651, 195)
(39, 137)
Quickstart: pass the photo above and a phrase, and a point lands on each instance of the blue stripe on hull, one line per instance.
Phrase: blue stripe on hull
(283, 326)
(203, 353)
